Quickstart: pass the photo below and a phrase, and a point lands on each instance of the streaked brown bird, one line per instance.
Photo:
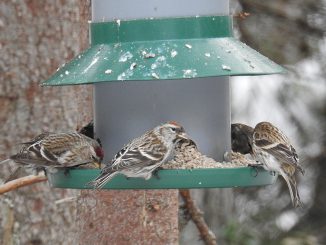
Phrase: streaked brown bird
(273, 149)
(48, 151)
(241, 138)
(143, 155)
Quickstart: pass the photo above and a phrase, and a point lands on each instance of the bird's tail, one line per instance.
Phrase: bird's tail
(300, 169)
(297, 201)
(292, 185)
(102, 179)
(5, 161)
(14, 174)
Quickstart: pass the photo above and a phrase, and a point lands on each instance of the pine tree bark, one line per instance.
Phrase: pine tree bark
(128, 217)
(36, 37)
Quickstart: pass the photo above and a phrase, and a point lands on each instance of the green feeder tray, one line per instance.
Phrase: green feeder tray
(168, 179)
(153, 49)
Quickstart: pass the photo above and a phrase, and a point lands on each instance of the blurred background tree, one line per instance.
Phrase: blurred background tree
(38, 36)
(291, 33)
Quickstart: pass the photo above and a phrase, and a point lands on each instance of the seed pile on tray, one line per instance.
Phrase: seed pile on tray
(187, 156)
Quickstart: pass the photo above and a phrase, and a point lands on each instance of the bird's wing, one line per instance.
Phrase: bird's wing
(75, 157)
(138, 155)
(60, 143)
(37, 138)
(26, 144)
(284, 153)
(30, 157)
(47, 148)
(35, 154)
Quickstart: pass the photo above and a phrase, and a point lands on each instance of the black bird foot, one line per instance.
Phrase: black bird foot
(155, 173)
(255, 167)
(66, 172)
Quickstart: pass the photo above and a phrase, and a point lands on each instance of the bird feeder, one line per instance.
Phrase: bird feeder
(155, 61)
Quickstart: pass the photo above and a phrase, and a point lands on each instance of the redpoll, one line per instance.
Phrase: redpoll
(144, 154)
(273, 149)
(241, 138)
(59, 150)
(88, 130)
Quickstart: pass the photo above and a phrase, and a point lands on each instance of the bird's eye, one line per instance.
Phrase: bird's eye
(173, 129)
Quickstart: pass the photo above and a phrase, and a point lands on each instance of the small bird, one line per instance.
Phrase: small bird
(144, 154)
(88, 130)
(272, 148)
(241, 138)
(58, 150)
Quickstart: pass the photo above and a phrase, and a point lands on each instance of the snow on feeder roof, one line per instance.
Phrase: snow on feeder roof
(174, 66)
(166, 48)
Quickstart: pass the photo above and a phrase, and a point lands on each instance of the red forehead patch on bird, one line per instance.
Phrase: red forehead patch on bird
(99, 152)
(174, 123)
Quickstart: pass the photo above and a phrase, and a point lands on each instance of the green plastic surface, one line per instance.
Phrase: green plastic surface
(161, 29)
(168, 179)
(175, 48)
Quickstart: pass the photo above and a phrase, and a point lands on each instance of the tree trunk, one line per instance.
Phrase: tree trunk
(36, 37)
(128, 217)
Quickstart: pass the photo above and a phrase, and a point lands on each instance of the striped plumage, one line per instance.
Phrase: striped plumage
(57, 150)
(144, 154)
(273, 149)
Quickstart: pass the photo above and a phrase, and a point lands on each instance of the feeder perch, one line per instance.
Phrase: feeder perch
(166, 61)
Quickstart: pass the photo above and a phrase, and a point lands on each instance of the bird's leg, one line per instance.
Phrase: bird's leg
(256, 170)
(66, 171)
(155, 173)
(255, 167)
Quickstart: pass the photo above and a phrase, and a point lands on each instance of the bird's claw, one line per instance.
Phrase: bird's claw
(255, 167)
(66, 172)
(155, 173)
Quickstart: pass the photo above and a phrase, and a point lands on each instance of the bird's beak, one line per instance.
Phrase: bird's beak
(183, 136)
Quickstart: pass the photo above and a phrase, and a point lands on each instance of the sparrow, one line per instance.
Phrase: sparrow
(144, 154)
(241, 138)
(272, 148)
(48, 151)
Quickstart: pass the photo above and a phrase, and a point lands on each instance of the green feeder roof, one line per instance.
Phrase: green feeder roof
(173, 48)
(168, 179)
